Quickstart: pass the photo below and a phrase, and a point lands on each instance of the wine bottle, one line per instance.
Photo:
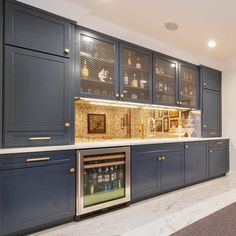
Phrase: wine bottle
(85, 71)
(85, 176)
(113, 178)
(106, 179)
(126, 79)
(129, 60)
(100, 180)
(120, 177)
(134, 81)
(95, 179)
(90, 182)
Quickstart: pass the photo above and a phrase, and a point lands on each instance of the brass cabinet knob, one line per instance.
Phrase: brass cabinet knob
(67, 125)
(177, 102)
(159, 158)
(67, 50)
(186, 146)
(122, 95)
(204, 126)
(204, 84)
(210, 151)
(72, 170)
(117, 95)
(180, 103)
(163, 158)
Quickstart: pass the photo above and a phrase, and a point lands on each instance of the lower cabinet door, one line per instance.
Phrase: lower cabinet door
(196, 162)
(144, 175)
(36, 196)
(218, 161)
(171, 170)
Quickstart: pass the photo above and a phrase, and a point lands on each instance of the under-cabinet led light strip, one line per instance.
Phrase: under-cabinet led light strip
(129, 104)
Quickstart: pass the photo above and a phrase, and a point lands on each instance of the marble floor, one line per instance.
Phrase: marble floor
(161, 215)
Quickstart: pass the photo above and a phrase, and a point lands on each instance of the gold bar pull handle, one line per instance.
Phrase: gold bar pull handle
(39, 138)
(219, 143)
(34, 159)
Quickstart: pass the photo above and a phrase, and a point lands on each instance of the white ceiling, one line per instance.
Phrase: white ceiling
(199, 21)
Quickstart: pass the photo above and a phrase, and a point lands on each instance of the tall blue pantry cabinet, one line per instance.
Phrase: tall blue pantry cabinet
(38, 77)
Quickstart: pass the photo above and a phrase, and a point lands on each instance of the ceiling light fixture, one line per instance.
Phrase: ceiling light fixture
(211, 44)
(171, 26)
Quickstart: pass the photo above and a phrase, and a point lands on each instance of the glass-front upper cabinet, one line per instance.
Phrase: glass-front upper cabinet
(98, 66)
(135, 71)
(188, 85)
(164, 81)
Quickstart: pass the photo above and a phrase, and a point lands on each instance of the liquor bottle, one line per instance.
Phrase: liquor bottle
(160, 86)
(129, 60)
(85, 176)
(190, 90)
(95, 178)
(134, 82)
(138, 63)
(113, 177)
(106, 179)
(166, 124)
(90, 182)
(85, 71)
(120, 177)
(100, 180)
(142, 81)
(126, 79)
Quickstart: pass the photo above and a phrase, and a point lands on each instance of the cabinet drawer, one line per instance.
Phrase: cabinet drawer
(216, 143)
(33, 29)
(31, 139)
(14, 161)
(158, 147)
(211, 133)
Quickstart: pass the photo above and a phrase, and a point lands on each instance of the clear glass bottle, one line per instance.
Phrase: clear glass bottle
(134, 81)
(126, 79)
(129, 59)
(138, 63)
(85, 70)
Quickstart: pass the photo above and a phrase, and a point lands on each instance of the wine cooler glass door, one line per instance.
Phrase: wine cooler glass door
(104, 178)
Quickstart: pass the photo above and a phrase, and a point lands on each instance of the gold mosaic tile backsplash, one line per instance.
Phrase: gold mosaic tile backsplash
(102, 122)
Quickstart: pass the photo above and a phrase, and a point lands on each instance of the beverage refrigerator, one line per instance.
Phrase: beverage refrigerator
(103, 179)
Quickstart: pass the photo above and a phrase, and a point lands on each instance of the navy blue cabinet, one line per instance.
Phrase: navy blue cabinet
(171, 170)
(196, 161)
(34, 29)
(97, 70)
(218, 158)
(144, 174)
(175, 83)
(38, 195)
(156, 168)
(135, 74)
(38, 103)
(211, 102)
(1, 67)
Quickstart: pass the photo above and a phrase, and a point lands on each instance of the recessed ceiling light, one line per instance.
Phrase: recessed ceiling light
(211, 44)
(171, 26)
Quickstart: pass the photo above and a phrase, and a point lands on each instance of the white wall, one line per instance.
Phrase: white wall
(229, 107)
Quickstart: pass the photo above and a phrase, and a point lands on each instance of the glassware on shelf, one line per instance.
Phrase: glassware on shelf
(156, 69)
(190, 91)
(103, 75)
(129, 60)
(138, 63)
(134, 82)
(126, 79)
(85, 71)
(160, 86)
(165, 87)
(142, 82)
(134, 96)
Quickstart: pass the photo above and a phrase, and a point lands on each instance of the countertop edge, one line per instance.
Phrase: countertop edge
(103, 144)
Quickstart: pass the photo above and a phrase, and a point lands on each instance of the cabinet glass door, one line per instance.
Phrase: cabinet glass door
(164, 87)
(188, 86)
(98, 67)
(135, 74)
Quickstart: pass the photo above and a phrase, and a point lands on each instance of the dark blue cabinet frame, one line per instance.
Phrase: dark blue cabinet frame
(128, 46)
(81, 31)
(1, 68)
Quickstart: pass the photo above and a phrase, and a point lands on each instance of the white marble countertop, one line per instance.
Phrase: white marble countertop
(103, 144)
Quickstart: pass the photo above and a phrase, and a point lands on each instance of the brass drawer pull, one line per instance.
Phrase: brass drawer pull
(219, 143)
(211, 151)
(37, 159)
(67, 50)
(163, 158)
(212, 132)
(39, 138)
(159, 158)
